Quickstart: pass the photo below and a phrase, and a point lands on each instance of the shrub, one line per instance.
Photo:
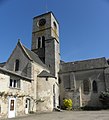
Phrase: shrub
(104, 98)
(68, 104)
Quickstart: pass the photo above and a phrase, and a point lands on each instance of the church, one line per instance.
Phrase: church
(37, 80)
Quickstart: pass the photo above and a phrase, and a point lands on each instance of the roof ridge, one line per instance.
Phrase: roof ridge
(30, 50)
(23, 47)
(90, 59)
(32, 56)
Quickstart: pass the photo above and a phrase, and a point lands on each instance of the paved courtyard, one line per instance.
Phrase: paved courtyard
(65, 115)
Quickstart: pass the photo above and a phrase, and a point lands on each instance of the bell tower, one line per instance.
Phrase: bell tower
(45, 41)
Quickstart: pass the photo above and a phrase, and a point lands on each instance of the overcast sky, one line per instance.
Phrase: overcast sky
(84, 26)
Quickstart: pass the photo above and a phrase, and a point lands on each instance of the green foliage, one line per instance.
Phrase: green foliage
(104, 98)
(68, 104)
(104, 95)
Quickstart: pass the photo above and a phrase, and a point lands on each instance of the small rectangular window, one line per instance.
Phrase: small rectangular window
(17, 65)
(18, 83)
(11, 81)
(14, 83)
(12, 105)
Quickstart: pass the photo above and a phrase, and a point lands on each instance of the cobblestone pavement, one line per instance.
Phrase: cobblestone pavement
(67, 115)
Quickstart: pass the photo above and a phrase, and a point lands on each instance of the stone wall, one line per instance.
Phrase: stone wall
(43, 90)
(45, 94)
(75, 88)
(20, 94)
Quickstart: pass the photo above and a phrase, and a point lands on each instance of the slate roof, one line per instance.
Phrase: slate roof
(2, 64)
(5, 71)
(32, 56)
(84, 65)
(45, 74)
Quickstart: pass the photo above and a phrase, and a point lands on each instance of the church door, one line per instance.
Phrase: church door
(12, 106)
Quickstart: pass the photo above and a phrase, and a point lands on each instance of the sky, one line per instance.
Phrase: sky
(84, 26)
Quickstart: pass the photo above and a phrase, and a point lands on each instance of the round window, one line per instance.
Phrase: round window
(42, 22)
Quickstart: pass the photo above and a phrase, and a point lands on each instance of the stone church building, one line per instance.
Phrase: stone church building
(37, 80)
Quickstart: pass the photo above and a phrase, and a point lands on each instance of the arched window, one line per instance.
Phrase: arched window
(59, 80)
(86, 86)
(43, 41)
(67, 82)
(39, 42)
(16, 65)
(94, 86)
(55, 25)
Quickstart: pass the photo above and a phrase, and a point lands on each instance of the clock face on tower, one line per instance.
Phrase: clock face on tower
(41, 22)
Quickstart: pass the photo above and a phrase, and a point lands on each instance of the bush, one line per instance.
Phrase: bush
(104, 98)
(68, 104)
